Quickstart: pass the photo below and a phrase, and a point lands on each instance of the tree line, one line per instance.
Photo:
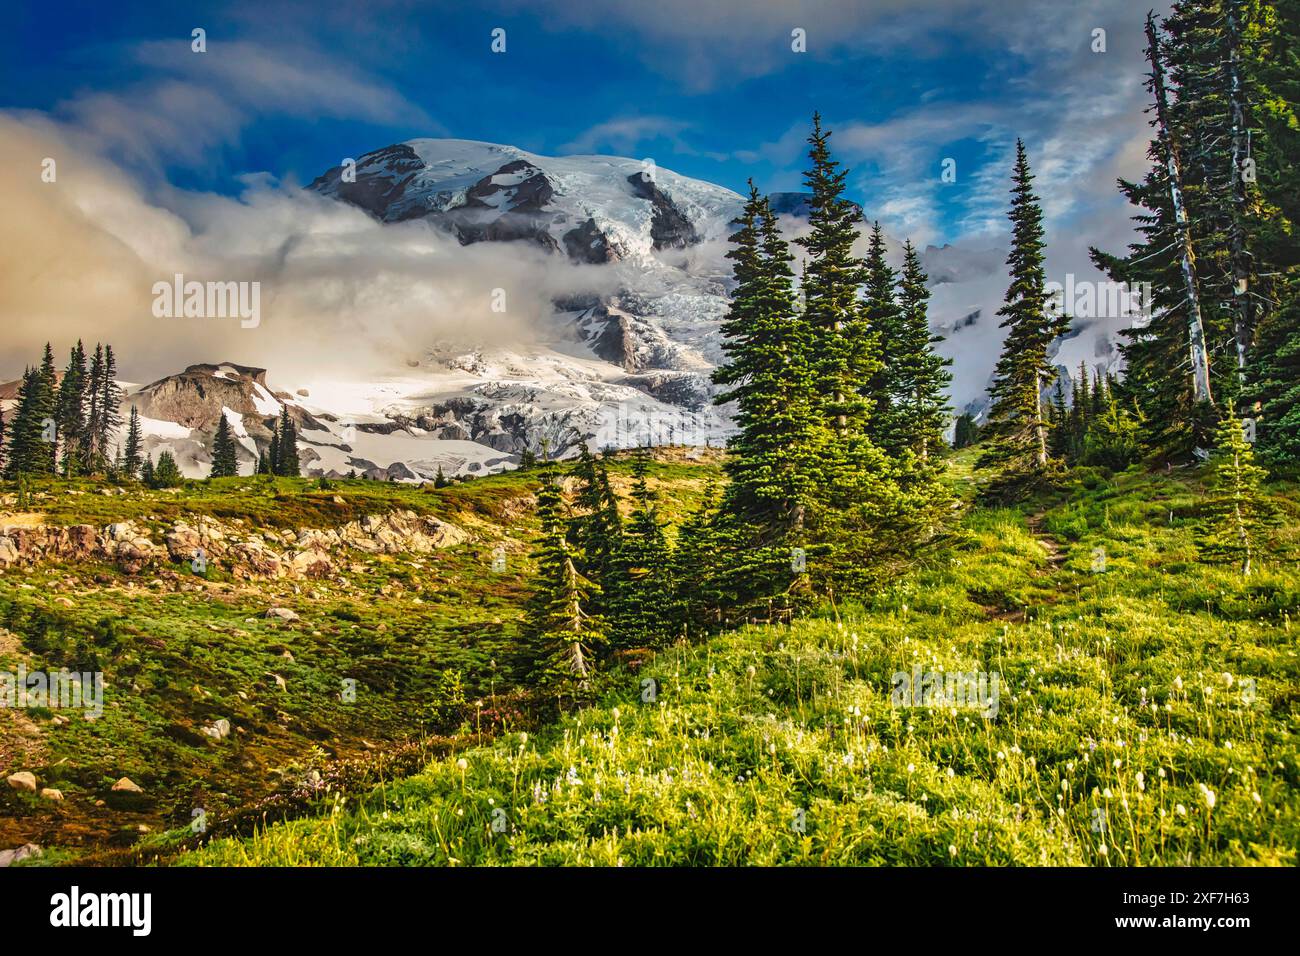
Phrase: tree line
(67, 424)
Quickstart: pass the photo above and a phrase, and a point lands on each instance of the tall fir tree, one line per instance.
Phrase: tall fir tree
(596, 529)
(94, 451)
(561, 637)
(30, 434)
(225, 464)
(845, 353)
(922, 377)
(889, 428)
(286, 447)
(71, 416)
(639, 587)
(110, 403)
(775, 455)
(1016, 420)
(133, 450)
(50, 421)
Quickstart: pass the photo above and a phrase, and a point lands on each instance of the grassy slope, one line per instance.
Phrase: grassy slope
(1125, 698)
(424, 636)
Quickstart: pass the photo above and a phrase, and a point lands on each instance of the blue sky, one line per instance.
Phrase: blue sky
(711, 90)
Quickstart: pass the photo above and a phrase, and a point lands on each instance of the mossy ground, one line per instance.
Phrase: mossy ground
(428, 640)
(1148, 716)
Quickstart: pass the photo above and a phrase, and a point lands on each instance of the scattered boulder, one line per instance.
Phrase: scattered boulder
(127, 785)
(22, 781)
(24, 852)
(282, 613)
(49, 793)
(219, 729)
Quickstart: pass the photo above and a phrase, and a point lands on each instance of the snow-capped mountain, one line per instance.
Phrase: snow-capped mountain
(627, 358)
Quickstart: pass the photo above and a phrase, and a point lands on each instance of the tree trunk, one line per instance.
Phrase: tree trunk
(1200, 357)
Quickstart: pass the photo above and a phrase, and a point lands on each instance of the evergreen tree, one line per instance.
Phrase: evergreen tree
(1238, 515)
(639, 576)
(845, 353)
(775, 455)
(147, 472)
(134, 445)
(1113, 437)
(889, 428)
(287, 462)
(224, 461)
(71, 416)
(110, 403)
(94, 450)
(166, 474)
(50, 421)
(28, 451)
(1272, 45)
(271, 464)
(695, 564)
(966, 431)
(595, 531)
(921, 378)
(1016, 420)
(1060, 440)
(560, 635)
(440, 480)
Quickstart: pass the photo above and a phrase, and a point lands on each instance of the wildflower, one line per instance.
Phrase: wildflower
(462, 764)
(1254, 795)
(1102, 850)
(1180, 810)
(952, 849)
(911, 768)
(1106, 793)
(1141, 781)
(1178, 683)
(1208, 795)
(1160, 772)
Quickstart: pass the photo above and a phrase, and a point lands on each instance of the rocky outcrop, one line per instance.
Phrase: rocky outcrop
(205, 542)
(669, 227)
(625, 339)
(587, 244)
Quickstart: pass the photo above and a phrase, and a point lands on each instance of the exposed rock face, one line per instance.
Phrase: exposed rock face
(669, 229)
(304, 553)
(586, 243)
(194, 397)
(624, 339)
